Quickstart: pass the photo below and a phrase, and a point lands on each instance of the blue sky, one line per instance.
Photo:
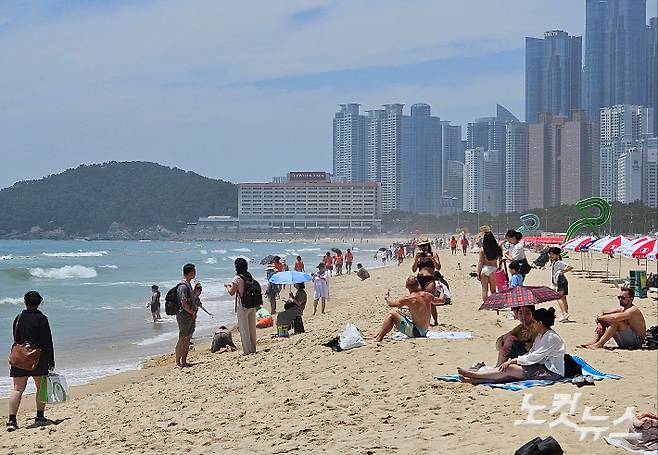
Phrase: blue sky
(197, 83)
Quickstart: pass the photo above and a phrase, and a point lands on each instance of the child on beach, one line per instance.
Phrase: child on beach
(320, 288)
(516, 279)
(558, 269)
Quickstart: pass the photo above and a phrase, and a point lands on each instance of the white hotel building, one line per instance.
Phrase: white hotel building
(309, 201)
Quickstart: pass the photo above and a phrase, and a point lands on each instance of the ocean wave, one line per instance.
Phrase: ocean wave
(204, 252)
(77, 254)
(109, 266)
(241, 250)
(10, 301)
(218, 251)
(211, 261)
(6, 258)
(64, 273)
(308, 250)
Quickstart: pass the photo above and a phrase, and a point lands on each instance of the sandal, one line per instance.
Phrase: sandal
(12, 426)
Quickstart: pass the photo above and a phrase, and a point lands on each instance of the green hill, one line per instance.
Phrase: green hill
(93, 199)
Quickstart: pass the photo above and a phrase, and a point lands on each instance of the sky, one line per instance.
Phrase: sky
(245, 91)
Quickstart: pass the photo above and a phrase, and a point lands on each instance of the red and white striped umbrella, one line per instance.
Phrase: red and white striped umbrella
(628, 250)
(610, 244)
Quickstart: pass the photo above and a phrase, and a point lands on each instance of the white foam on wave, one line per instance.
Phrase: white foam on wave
(204, 252)
(211, 261)
(220, 251)
(241, 250)
(10, 301)
(76, 254)
(6, 258)
(64, 273)
(109, 266)
(308, 250)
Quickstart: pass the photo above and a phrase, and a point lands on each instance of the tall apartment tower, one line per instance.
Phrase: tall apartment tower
(579, 165)
(650, 168)
(421, 179)
(516, 167)
(552, 74)
(454, 182)
(621, 127)
(374, 147)
(629, 183)
(482, 189)
(392, 140)
(544, 143)
(451, 150)
(652, 69)
(350, 138)
(615, 54)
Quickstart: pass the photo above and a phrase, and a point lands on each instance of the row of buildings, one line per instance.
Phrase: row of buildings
(589, 130)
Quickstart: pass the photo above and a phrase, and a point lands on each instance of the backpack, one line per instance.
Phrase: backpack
(537, 446)
(524, 266)
(253, 294)
(571, 367)
(541, 260)
(172, 305)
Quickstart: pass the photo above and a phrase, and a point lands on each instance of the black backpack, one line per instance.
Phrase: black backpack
(172, 305)
(253, 293)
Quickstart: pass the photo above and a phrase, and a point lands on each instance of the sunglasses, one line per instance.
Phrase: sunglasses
(621, 297)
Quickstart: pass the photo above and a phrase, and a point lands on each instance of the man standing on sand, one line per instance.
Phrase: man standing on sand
(349, 257)
(186, 317)
(625, 324)
(419, 303)
(464, 243)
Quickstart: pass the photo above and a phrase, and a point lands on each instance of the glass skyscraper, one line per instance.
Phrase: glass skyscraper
(616, 55)
(552, 74)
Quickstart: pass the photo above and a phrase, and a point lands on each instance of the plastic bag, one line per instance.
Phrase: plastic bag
(352, 337)
(53, 389)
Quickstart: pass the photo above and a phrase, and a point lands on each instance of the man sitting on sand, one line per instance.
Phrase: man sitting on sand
(419, 303)
(625, 324)
(361, 272)
(519, 340)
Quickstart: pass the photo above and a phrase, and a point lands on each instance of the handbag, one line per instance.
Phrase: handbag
(23, 356)
(53, 389)
(501, 278)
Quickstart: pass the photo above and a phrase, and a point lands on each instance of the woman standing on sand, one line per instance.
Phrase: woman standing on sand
(246, 316)
(489, 261)
(320, 288)
(31, 327)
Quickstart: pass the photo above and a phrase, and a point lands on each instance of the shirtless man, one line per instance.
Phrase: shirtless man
(625, 324)
(419, 303)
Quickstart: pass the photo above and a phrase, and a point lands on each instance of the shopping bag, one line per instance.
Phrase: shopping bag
(352, 337)
(53, 389)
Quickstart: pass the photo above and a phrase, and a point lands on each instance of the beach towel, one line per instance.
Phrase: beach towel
(624, 444)
(398, 336)
(528, 383)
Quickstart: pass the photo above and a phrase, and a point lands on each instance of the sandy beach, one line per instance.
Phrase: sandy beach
(297, 396)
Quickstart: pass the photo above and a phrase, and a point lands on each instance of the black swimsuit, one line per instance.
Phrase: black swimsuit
(425, 263)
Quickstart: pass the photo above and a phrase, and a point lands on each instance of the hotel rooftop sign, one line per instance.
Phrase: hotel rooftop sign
(307, 177)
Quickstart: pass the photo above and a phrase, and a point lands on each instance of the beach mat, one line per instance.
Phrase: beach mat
(624, 444)
(398, 336)
(528, 383)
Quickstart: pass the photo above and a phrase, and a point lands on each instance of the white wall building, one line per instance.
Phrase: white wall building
(629, 172)
(473, 200)
(309, 201)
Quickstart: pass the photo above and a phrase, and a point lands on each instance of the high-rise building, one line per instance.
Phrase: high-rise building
(552, 74)
(652, 69)
(489, 133)
(615, 54)
(451, 150)
(350, 149)
(544, 142)
(481, 185)
(578, 159)
(454, 182)
(421, 179)
(621, 127)
(392, 139)
(516, 167)
(629, 183)
(375, 118)
(650, 176)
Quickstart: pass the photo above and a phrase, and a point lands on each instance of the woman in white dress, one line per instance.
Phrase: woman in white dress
(320, 288)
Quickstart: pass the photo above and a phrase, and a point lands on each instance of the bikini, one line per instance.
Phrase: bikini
(425, 263)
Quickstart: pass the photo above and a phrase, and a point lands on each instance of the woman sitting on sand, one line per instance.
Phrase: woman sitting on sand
(544, 361)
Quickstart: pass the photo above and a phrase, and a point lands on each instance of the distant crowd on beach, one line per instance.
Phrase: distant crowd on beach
(531, 350)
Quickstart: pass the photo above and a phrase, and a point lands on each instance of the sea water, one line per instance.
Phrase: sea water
(96, 294)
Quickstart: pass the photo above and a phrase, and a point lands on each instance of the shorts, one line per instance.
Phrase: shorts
(562, 285)
(627, 339)
(186, 324)
(539, 372)
(487, 270)
(409, 328)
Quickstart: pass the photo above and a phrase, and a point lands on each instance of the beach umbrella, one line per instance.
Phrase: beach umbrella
(267, 260)
(645, 249)
(382, 249)
(567, 245)
(573, 246)
(630, 248)
(519, 296)
(337, 250)
(290, 277)
(600, 243)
